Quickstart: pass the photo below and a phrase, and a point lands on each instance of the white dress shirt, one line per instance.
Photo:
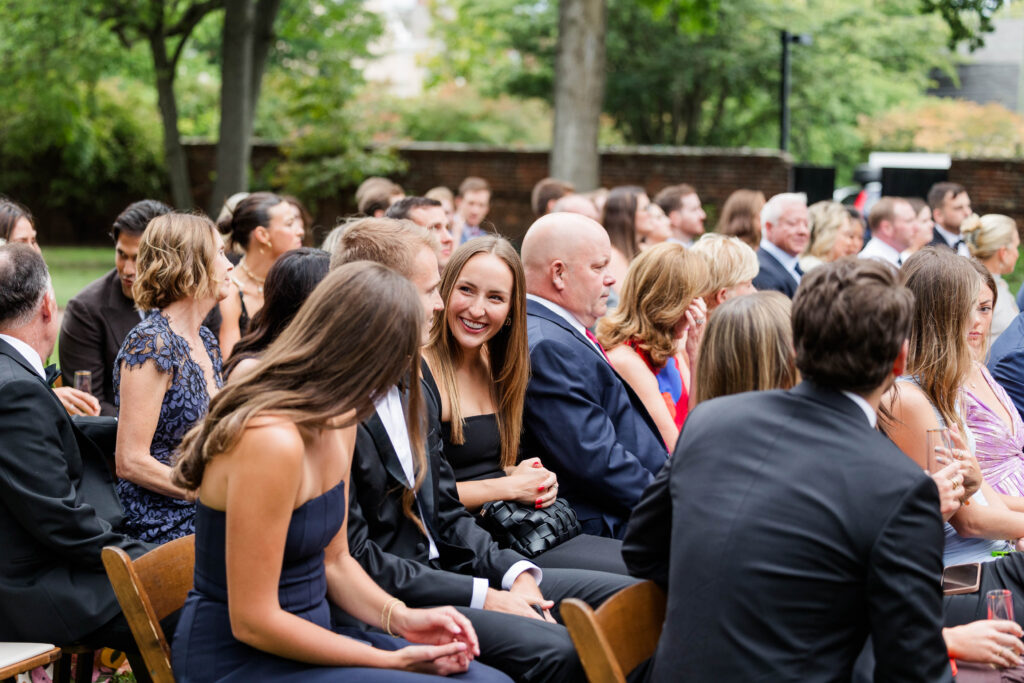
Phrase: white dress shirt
(27, 352)
(952, 238)
(392, 414)
(881, 251)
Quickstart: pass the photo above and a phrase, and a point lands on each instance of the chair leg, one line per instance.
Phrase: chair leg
(84, 666)
(62, 669)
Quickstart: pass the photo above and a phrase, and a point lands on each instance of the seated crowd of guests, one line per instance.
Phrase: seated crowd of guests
(741, 416)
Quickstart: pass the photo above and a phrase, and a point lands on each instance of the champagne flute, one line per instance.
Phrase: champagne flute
(940, 450)
(83, 381)
(1000, 604)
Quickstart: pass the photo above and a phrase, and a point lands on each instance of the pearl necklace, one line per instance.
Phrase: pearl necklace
(258, 281)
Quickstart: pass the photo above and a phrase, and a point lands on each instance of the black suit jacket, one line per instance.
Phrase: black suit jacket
(586, 425)
(938, 240)
(773, 275)
(787, 530)
(95, 324)
(391, 548)
(57, 511)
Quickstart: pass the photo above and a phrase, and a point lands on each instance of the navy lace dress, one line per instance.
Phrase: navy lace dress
(150, 516)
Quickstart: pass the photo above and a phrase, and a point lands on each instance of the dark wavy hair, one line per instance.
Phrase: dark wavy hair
(289, 283)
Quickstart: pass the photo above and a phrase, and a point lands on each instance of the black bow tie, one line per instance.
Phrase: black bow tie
(52, 373)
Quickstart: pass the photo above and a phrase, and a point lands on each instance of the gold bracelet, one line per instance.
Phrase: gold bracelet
(385, 609)
(394, 602)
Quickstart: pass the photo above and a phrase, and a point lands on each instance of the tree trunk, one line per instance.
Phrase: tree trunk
(235, 102)
(262, 38)
(579, 92)
(177, 165)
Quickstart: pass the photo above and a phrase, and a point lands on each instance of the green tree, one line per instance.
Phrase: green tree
(702, 72)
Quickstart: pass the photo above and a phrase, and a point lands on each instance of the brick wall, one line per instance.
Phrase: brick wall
(512, 174)
(995, 185)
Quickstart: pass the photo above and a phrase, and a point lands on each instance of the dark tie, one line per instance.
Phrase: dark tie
(797, 269)
(956, 245)
(591, 337)
(52, 373)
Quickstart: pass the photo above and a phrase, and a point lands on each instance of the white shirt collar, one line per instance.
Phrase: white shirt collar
(877, 248)
(950, 237)
(564, 314)
(863, 405)
(27, 352)
(788, 261)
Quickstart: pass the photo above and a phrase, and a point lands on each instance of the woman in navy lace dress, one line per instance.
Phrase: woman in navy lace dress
(167, 370)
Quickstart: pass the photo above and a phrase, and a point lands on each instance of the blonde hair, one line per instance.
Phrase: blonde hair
(394, 242)
(508, 353)
(659, 286)
(988, 234)
(748, 346)
(176, 258)
(827, 218)
(730, 261)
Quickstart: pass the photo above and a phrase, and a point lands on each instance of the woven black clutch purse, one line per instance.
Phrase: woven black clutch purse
(526, 530)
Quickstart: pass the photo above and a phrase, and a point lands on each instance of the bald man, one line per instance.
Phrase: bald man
(581, 419)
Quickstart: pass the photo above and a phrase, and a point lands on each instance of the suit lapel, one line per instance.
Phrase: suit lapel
(541, 311)
(375, 426)
(119, 313)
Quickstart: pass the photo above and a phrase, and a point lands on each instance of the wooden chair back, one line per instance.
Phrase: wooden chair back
(620, 634)
(149, 589)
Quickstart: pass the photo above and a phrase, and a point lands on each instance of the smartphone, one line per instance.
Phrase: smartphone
(961, 578)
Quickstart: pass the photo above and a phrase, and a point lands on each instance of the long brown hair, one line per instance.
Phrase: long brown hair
(945, 288)
(326, 363)
(659, 286)
(748, 346)
(619, 219)
(507, 352)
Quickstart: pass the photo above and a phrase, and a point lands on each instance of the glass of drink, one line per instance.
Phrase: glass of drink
(940, 450)
(83, 381)
(1000, 604)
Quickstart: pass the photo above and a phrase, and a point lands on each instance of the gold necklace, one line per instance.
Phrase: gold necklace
(258, 281)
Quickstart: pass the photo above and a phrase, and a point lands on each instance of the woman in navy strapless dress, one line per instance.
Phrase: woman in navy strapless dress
(271, 465)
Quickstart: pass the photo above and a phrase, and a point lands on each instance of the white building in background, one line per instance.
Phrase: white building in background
(993, 73)
(401, 53)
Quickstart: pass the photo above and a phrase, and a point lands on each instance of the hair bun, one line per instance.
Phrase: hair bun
(970, 224)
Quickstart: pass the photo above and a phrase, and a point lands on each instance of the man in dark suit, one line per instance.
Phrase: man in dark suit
(785, 527)
(950, 205)
(432, 552)
(784, 225)
(98, 318)
(580, 418)
(57, 503)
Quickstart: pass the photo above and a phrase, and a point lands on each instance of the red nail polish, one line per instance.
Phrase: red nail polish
(540, 488)
(537, 506)
(537, 464)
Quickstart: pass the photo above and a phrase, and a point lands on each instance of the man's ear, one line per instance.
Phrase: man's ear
(899, 365)
(558, 271)
(48, 307)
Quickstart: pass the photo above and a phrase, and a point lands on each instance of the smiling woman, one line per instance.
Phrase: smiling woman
(479, 355)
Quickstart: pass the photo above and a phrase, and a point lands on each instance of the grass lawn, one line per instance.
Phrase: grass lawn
(72, 268)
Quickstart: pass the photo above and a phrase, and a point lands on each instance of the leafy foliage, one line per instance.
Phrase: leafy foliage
(956, 127)
(968, 20)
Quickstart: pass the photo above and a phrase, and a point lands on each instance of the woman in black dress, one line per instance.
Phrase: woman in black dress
(479, 365)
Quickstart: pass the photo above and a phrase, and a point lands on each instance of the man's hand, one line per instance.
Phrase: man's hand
(77, 402)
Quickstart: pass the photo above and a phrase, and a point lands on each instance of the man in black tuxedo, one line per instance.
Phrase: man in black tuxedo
(57, 502)
(950, 205)
(433, 552)
(785, 527)
(785, 235)
(98, 318)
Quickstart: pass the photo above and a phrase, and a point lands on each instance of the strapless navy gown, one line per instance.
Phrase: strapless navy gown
(204, 648)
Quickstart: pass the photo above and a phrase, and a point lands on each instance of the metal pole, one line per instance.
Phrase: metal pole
(784, 93)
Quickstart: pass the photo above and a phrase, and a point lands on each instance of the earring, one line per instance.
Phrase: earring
(508, 322)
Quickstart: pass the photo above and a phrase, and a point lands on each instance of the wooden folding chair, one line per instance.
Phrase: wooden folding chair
(620, 635)
(149, 589)
(17, 658)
